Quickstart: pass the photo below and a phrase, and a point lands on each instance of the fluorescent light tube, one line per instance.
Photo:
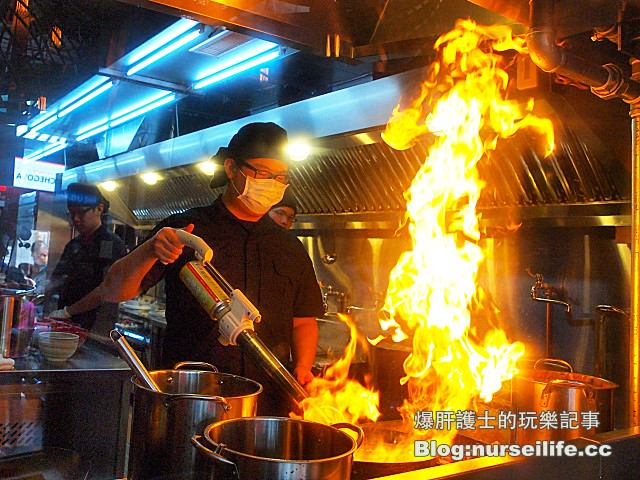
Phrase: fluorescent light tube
(140, 104)
(44, 152)
(249, 51)
(136, 113)
(91, 126)
(160, 40)
(49, 121)
(229, 72)
(91, 133)
(162, 53)
(85, 99)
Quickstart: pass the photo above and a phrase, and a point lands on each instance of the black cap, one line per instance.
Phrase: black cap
(254, 140)
(85, 195)
(287, 201)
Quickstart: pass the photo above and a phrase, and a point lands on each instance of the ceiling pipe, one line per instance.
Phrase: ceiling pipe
(606, 81)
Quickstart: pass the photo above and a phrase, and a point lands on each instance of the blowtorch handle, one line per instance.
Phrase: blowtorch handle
(263, 357)
(203, 251)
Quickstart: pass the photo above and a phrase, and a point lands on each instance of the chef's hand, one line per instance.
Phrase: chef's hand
(61, 313)
(303, 375)
(166, 244)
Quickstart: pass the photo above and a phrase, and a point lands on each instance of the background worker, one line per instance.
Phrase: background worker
(37, 271)
(284, 212)
(86, 258)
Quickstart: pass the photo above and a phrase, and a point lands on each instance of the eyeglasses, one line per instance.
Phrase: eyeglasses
(79, 212)
(265, 174)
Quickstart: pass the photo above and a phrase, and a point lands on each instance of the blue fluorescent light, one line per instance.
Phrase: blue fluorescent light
(140, 104)
(43, 152)
(85, 99)
(136, 113)
(91, 133)
(87, 88)
(232, 60)
(31, 134)
(160, 40)
(163, 53)
(91, 126)
(49, 121)
(41, 118)
(237, 69)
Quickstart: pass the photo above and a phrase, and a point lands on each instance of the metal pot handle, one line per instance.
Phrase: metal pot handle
(207, 398)
(587, 390)
(195, 366)
(196, 441)
(555, 362)
(353, 428)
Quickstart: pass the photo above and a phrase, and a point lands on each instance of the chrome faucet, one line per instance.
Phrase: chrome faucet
(548, 292)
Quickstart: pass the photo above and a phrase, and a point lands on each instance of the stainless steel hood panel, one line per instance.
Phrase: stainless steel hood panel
(353, 109)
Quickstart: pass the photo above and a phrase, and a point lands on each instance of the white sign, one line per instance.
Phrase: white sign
(35, 175)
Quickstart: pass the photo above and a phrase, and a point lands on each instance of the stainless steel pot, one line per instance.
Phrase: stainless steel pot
(18, 320)
(269, 448)
(189, 400)
(539, 389)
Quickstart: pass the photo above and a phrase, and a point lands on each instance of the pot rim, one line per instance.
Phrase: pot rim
(224, 448)
(136, 383)
(591, 381)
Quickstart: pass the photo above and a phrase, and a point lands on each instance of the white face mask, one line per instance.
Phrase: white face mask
(259, 195)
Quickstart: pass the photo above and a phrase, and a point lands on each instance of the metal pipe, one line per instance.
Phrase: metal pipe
(8, 304)
(262, 356)
(601, 337)
(606, 81)
(634, 367)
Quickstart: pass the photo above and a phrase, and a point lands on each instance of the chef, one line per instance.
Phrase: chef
(268, 264)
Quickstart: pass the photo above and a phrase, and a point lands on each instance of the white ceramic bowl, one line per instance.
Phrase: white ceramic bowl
(58, 346)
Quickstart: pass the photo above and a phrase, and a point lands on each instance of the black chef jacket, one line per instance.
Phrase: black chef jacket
(263, 260)
(82, 267)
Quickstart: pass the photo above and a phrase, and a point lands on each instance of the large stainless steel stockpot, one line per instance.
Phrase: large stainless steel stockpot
(17, 318)
(538, 389)
(269, 448)
(189, 400)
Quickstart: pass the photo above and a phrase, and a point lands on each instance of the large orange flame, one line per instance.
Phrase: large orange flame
(432, 296)
(432, 289)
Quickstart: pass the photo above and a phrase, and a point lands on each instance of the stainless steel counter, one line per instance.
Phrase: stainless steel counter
(81, 405)
(92, 356)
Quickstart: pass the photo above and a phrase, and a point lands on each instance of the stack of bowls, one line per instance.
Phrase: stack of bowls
(58, 346)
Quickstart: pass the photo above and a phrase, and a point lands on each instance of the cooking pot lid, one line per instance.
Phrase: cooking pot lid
(574, 380)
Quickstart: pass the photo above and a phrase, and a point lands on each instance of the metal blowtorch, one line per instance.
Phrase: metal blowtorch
(234, 312)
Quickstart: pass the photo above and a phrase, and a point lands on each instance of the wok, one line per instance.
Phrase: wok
(394, 435)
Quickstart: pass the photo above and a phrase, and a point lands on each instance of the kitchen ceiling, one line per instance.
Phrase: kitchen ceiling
(94, 46)
(329, 45)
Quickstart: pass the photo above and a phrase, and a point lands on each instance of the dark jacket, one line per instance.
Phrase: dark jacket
(82, 267)
(267, 263)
